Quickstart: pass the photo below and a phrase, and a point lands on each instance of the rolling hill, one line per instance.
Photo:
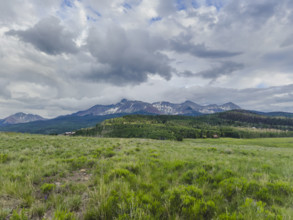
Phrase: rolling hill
(236, 123)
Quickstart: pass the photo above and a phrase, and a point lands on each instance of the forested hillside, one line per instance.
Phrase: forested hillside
(236, 124)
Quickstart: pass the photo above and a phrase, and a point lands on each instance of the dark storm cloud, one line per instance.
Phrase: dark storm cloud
(48, 36)
(127, 57)
(225, 68)
(183, 45)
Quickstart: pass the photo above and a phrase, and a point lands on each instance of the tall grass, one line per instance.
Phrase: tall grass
(47, 177)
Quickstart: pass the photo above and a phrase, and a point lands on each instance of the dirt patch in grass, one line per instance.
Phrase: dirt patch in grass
(8, 204)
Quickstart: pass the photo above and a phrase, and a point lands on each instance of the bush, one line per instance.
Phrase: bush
(203, 210)
(104, 152)
(3, 158)
(179, 138)
(19, 216)
(47, 188)
(280, 188)
(264, 195)
(188, 177)
(119, 173)
(200, 176)
(228, 216)
(253, 187)
(183, 198)
(91, 214)
(134, 168)
(232, 187)
(63, 215)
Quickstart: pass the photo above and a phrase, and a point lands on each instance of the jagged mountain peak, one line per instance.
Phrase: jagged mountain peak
(231, 104)
(163, 107)
(187, 102)
(21, 117)
(124, 100)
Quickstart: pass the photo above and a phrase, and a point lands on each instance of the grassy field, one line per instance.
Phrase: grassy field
(56, 177)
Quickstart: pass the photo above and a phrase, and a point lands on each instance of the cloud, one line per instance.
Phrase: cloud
(278, 98)
(4, 92)
(127, 57)
(225, 68)
(183, 45)
(102, 51)
(48, 36)
(287, 42)
(250, 14)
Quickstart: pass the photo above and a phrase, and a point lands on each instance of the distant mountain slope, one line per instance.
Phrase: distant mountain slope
(20, 117)
(275, 114)
(98, 113)
(58, 125)
(236, 123)
(160, 108)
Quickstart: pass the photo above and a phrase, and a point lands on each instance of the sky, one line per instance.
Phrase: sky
(61, 56)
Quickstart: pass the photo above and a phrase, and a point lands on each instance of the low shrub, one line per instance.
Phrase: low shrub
(232, 187)
(4, 158)
(183, 198)
(280, 188)
(80, 162)
(199, 176)
(19, 215)
(119, 173)
(104, 152)
(228, 216)
(188, 177)
(133, 168)
(203, 210)
(47, 188)
(63, 215)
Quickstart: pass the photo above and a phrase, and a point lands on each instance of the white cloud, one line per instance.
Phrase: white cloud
(101, 51)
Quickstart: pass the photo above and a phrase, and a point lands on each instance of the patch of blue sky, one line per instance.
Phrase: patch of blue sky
(216, 3)
(95, 12)
(89, 18)
(195, 4)
(127, 6)
(155, 19)
(180, 5)
(262, 86)
(67, 3)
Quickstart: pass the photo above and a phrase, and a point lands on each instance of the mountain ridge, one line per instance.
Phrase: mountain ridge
(161, 108)
(20, 117)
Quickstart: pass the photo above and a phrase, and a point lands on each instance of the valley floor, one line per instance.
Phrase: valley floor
(56, 177)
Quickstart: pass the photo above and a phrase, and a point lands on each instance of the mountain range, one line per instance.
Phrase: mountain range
(20, 117)
(28, 123)
(159, 108)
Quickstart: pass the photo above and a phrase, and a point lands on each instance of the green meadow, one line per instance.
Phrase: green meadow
(58, 177)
